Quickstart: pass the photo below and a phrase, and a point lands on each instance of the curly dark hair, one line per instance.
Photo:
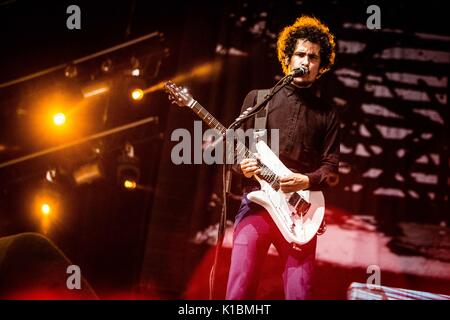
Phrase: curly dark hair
(313, 30)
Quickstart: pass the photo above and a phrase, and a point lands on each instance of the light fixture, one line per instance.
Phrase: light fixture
(106, 66)
(59, 119)
(71, 71)
(136, 72)
(46, 209)
(90, 169)
(87, 173)
(135, 66)
(50, 175)
(128, 172)
(47, 202)
(137, 94)
(129, 184)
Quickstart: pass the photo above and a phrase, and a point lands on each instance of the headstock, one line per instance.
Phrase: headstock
(178, 95)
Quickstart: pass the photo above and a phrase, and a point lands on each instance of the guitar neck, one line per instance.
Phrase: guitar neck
(207, 117)
(212, 122)
(242, 151)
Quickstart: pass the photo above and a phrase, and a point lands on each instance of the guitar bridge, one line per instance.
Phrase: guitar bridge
(301, 205)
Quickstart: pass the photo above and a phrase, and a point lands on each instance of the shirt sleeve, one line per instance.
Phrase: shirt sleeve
(327, 172)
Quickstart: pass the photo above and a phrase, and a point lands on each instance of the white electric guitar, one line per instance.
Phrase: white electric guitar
(298, 215)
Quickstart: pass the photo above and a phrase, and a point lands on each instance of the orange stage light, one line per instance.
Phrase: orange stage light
(59, 119)
(137, 94)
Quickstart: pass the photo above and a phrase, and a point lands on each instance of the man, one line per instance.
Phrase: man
(309, 146)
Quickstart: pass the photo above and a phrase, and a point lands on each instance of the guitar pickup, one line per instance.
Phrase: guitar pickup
(301, 205)
(294, 198)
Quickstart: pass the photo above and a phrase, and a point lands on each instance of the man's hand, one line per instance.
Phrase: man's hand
(294, 182)
(249, 167)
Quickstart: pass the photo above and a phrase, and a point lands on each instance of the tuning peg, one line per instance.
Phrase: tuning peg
(185, 90)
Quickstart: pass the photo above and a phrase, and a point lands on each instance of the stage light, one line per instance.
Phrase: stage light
(59, 119)
(135, 67)
(50, 175)
(46, 206)
(45, 209)
(128, 168)
(87, 173)
(106, 66)
(129, 184)
(136, 72)
(71, 71)
(137, 94)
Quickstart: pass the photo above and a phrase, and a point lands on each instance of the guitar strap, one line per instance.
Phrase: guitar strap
(261, 116)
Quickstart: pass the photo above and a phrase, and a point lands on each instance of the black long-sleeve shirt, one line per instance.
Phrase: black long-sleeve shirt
(308, 131)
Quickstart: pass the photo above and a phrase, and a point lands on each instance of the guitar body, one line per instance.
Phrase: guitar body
(296, 229)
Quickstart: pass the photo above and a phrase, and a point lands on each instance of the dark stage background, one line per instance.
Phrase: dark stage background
(391, 86)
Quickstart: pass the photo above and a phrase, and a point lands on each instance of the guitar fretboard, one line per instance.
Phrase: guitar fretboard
(241, 150)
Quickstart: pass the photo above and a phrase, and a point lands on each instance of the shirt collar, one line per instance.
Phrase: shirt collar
(291, 89)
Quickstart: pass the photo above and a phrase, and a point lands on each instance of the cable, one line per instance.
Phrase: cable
(226, 181)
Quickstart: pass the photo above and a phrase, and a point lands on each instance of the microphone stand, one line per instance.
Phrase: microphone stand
(226, 172)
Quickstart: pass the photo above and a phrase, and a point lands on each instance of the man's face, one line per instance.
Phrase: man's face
(306, 54)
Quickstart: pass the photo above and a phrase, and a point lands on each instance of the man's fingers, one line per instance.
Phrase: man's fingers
(253, 169)
(285, 179)
(249, 172)
(250, 167)
(248, 164)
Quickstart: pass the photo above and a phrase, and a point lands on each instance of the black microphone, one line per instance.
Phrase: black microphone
(298, 72)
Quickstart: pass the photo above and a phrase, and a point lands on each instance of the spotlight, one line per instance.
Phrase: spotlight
(106, 66)
(71, 71)
(137, 94)
(46, 209)
(129, 184)
(50, 175)
(135, 67)
(87, 173)
(59, 119)
(136, 72)
(128, 168)
(46, 206)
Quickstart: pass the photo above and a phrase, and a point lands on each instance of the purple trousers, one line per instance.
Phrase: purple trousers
(253, 233)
